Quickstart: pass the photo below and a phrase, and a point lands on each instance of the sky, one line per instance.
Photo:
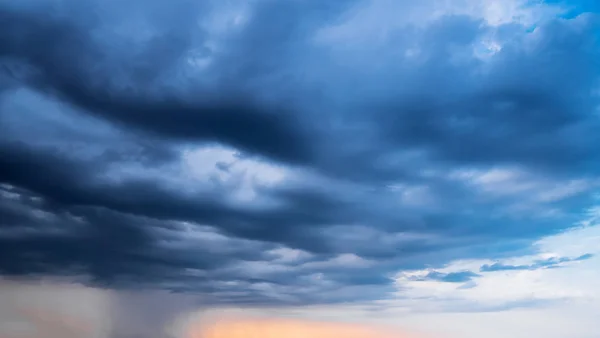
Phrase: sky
(385, 168)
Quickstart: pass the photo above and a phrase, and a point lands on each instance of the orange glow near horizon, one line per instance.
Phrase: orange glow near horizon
(286, 328)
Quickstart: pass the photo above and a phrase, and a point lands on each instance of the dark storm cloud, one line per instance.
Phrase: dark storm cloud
(69, 184)
(116, 249)
(68, 61)
(522, 107)
(115, 233)
(402, 148)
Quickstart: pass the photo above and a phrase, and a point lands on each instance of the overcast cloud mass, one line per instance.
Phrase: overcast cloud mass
(302, 153)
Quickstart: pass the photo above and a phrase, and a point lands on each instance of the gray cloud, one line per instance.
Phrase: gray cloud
(396, 161)
(451, 277)
(84, 79)
(540, 264)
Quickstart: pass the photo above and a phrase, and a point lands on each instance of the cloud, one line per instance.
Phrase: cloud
(552, 262)
(555, 274)
(42, 41)
(521, 303)
(291, 152)
(437, 276)
(452, 277)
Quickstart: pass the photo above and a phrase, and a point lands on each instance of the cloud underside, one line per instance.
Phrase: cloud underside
(273, 152)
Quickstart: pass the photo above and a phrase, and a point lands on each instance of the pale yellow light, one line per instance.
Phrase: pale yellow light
(285, 328)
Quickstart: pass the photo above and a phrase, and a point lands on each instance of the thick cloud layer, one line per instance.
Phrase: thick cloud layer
(286, 151)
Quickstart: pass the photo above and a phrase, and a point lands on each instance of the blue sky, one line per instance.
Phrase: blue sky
(398, 162)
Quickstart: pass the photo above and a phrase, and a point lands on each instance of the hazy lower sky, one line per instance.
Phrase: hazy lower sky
(376, 168)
